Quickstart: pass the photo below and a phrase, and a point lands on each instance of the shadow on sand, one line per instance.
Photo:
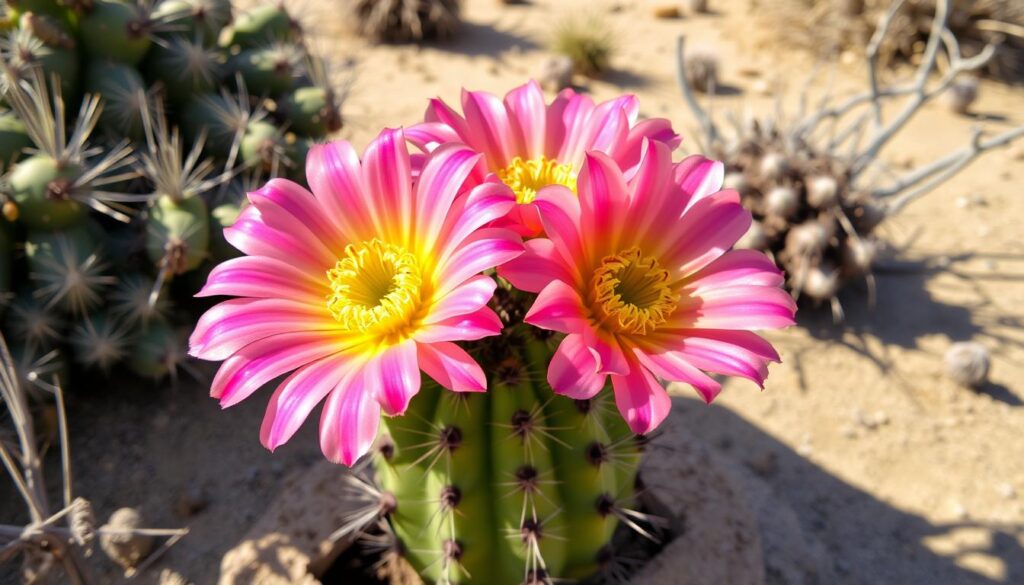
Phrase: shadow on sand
(868, 540)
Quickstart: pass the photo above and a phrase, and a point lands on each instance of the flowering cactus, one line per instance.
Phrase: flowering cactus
(386, 270)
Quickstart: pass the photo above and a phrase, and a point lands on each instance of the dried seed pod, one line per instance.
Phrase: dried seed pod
(859, 255)
(774, 165)
(737, 181)
(782, 202)
(755, 239)
(702, 70)
(961, 94)
(807, 239)
(118, 541)
(968, 363)
(819, 282)
(822, 191)
(82, 523)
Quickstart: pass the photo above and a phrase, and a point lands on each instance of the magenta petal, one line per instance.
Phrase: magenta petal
(486, 203)
(705, 232)
(557, 308)
(262, 361)
(537, 267)
(640, 399)
(251, 234)
(736, 307)
(603, 199)
(349, 422)
(387, 175)
(469, 327)
(573, 370)
(442, 180)
(674, 365)
(485, 249)
(231, 325)
(429, 135)
(528, 118)
(699, 177)
(606, 349)
(468, 297)
(607, 128)
(282, 218)
(560, 213)
(298, 203)
(450, 366)
(736, 267)
(395, 374)
(297, 396)
(335, 177)
(488, 123)
(439, 112)
(733, 353)
(573, 113)
(260, 277)
(654, 130)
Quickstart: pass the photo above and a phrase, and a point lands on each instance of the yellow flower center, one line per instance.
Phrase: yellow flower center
(632, 292)
(376, 286)
(526, 177)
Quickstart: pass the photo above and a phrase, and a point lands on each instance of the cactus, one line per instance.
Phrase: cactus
(116, 30)
(156, 351)
(509, 486)
(184, 68)
(100, 341)
(41, 188)
(270, 70)
(311, 111)
(195, 19)
(14, 139)
(124, 97)
(24, 52)
(259, 26)
(68, 269)
(405, 20)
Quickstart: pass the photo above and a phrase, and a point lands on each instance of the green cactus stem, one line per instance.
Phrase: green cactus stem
(42, 188)
(14, 139)
(116, 30)
(260, 26)
(178, 234)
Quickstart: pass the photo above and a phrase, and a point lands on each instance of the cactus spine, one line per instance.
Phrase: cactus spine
(509, 486)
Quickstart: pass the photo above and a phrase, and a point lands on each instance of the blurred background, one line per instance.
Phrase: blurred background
(883, 170)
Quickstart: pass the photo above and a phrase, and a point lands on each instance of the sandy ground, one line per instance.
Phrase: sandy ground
(903, 476)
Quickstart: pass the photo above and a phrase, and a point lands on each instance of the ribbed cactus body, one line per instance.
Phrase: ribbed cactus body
(508, 486)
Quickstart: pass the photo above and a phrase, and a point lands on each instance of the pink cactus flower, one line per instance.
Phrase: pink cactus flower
(638, 273)
(528, 144)
(355, 288)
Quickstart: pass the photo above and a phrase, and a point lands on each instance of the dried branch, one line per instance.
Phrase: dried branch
(943, 169)
(872, 58)
(706, 123)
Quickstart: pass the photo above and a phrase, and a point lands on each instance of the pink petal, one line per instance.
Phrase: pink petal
(450, 366)
(323, 246)
(528, 118)
(262, 277)
(674, 365)
(560, 213)
(558, 308)
(261, 361)
(300, 204)
(573, 114)
(640, 399)
(233, 324)
(705, 232)
(349, 422)
(733, 353)
(334, 175)
(736, 267)
(489, 127)
(485, 249)
(443, 178)
(573, 370)
(469, 327)
(468, 297)
(603, 199)
(486, 203)
(298, 395)
(606, 349)
(429, 135)
(740, 307)
(653, 129)
(537, 267)
(387, 175)
(608, 127)
(699, 177)
(254, 237)
(439, 112)
(395, 374)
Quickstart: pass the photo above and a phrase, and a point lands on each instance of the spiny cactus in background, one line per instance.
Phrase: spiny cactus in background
(812, 182)
(588, 42)
(401, 21)
(144, 112)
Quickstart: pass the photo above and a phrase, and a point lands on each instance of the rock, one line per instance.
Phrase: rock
(555, 73)
(667, 12)
(289, 542)
(1007, 491)
(696, 6)
(961, 95)
(968, 363)
(124, 548)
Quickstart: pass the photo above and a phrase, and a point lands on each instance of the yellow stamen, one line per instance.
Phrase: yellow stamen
(632, 292)
(526, 177)
(376, 286)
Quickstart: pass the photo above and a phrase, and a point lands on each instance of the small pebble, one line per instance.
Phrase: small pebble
(1007, 491)
(667, 12)
(555, 73)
